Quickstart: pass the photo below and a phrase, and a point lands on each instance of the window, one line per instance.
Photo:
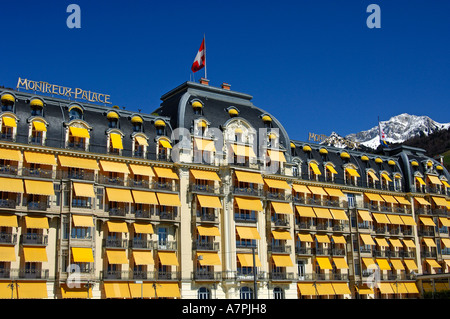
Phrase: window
(278, 293)
(7, 101)
(75, 113)
(8, 128)
(301, 269)
(204, 293)
(246, 293)
(351, 200)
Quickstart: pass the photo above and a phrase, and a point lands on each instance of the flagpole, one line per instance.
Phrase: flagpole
(204, 40)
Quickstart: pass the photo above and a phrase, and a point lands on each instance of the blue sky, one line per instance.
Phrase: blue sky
(315, 65)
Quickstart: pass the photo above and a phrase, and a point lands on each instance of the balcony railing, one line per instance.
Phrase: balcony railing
(207, 275)
(115, 243)
(213, 246)
(23, 273)
(248, 191)
(281, 276)
(8, 238)
(34, 239)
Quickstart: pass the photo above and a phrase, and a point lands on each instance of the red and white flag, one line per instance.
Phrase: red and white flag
(200, 58)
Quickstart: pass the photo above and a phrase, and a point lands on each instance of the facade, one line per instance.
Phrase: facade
(190, 200)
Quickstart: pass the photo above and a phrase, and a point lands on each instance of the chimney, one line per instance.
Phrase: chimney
(226, 86)
(204, 81)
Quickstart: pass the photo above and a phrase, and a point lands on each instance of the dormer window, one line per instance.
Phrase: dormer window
(75, 113)
(267, 121)
(115, 143)
(160, 126)
(7, 101)
(197, 107)
(113, 119)
(137, 123)
(37, 107)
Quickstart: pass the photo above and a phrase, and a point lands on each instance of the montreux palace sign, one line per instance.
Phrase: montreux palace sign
(77, 93)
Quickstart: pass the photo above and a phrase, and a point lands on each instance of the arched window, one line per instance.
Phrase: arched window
(203, 293)
(246, 293)
(75, 113)
(7, 101)
(37, 107)
(113, 119)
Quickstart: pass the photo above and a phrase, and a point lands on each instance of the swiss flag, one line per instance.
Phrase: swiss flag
(199, 61)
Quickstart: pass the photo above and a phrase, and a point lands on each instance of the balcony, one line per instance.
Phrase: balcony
(167, 186)
(136, 243)
(279, 221)
(194, 188)
(81, 175)
(34, 239)
(166, 245)
(23, 273)
(208, 246)
(115, 243)
(201, 274)
(8, 238)
(8, 203)
(37, 172)
(248, 191)
(278, 196)
(8, 170)
(76, 146)
(141, 183)
(117, 181)
(117, 211)
(303, 250)
(284, 249)
(239, 217)
(37, 205)
(281, 276)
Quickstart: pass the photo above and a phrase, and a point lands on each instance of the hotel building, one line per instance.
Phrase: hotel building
(208, 197)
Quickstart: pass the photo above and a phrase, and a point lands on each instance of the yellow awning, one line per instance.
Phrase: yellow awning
(36, 222)
(305, 237)
(385, 288)
(374, 197)
(167, 290)
(367, 239)
(117, 226)
(39, 187)
(246, 260)
(364, 290)
(440, 201)
(168, 258)
(411, 287)
(82, 221)
(282, 208)
(204, 145)
(276, 156)
(164, 172)
(208, 231)
(275, 183)
(8, 97)
(248, 204)
(243, 150)
(109, 166)
(209, 201)
(248, 232)
(446, 183)
(340, 262)
(395, 219)
(397, 264)
(34, 254)
(323, 239)
(352, 172)
(143, 170)
(39, 158)
(331, 169)
(32, 290)
(82, 255)
(427, 221)
(7, 253)
(422, 201)
(322, 212)
(143, 257)
(116, 290)
(9, 154)
(339, 239)
(208, 259)
(282, 260)
(116, 140)
(368, 261)
(381, 218)
(248, 177)
(281, 235)
(338, 214)
(341, 288)
(9, 121)
(396, 242)
(165, 144)
(144, 290)
(429, 242)
(305, 211)
(119, 195)
(334, 192)
(83, 190)
(402, 200)
(306, 289)
(410, 264)
(141, 140)
(389, 199)
(433, 263)
(8, 220)
(374, 177)
(143, 197)
(317, 190)
(408, 220)
(75, 292)
(116, 257)
(445, 221)
(324, 288)
(315, 168)
(39, 126)
(11, 185)
(382, 242)
(78, 162)
(434, 179)
(301, 188)
(421, 182)
(79, 132)
(205, 175)
(166, 199)
(143, 228)
(365, 215)
(409, 243)
(386, 177)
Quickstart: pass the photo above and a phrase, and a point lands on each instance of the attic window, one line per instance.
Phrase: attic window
(7, 102)
(197, 106)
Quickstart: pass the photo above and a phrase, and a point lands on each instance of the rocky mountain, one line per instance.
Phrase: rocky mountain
(398, 129)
